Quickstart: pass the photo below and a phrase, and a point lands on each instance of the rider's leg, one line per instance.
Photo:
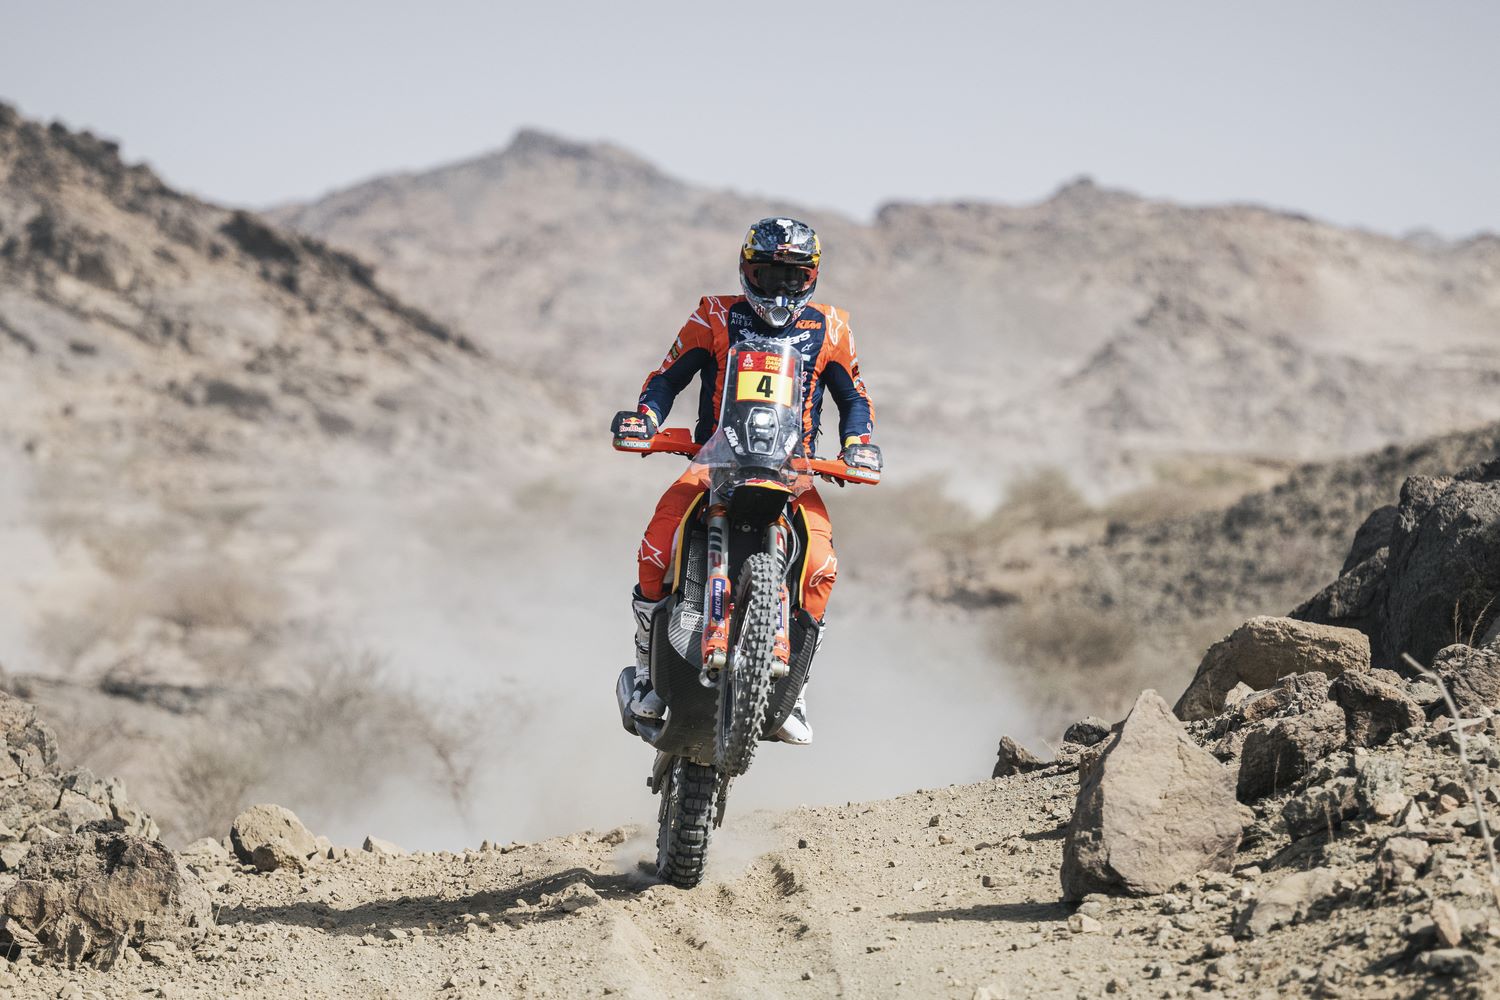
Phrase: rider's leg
(655, 558)
(820, 569)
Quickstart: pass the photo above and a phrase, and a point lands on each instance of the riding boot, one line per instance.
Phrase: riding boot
(645, 703)
(797, 730)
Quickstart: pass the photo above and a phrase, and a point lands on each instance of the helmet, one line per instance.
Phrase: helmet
(779, 268)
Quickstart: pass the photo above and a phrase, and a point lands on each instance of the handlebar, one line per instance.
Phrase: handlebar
(679, 441)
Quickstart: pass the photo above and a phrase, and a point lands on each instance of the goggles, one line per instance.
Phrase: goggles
(780, 279)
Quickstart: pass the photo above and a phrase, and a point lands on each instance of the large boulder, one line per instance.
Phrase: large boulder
(1425, 574)
(1261, 652)
(1374, 711)
(1277, 752)
(85, 896)
(1153, 808)
(1443, 577)
(271, 837)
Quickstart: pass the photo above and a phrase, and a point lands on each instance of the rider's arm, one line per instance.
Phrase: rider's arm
(689, 354)
(841, 377)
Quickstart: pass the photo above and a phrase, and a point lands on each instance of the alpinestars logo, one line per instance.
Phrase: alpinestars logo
(828, 571)
(651, 554)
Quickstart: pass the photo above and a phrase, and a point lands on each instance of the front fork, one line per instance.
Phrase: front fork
(716, 599)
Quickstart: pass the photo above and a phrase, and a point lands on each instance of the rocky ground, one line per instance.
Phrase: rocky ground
(944, 893)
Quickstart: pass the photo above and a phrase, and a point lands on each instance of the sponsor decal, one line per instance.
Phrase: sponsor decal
(719, 586)
(808, 324)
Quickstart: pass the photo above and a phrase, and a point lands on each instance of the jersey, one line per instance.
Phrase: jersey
(821, 334)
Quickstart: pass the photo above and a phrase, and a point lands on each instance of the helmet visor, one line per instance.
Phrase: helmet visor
(775, 279)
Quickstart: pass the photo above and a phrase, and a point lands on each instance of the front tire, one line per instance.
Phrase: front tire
(745, 687)
(686, 821)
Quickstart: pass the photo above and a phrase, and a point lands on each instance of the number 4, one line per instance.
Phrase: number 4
(764, 386)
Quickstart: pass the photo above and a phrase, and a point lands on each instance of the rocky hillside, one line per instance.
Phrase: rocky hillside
(1095, 329)
(207, 425)
(136, 323)
(1131, 601)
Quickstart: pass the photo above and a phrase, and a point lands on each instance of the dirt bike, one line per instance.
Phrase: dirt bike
(731, 648)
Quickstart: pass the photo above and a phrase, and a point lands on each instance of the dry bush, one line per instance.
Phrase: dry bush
(210, 781)
(1187, 485)
(1045, 500)
(1069, 659)
(214, 594)
(325, 747)
(895, 525)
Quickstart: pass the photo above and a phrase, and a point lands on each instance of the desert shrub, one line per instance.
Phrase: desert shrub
(1044, 500)
(209, 782)
(324, 747)
(214, 594)
(895, 525)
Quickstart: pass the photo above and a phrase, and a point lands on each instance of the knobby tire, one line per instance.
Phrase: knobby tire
(686, 822)
(745, 688)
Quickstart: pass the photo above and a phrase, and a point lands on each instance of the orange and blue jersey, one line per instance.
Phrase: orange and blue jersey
(821, 333)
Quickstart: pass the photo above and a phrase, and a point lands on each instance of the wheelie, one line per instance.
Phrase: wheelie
(737, 563)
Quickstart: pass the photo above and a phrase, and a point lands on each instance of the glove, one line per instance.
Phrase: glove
(639, 424)
(862, 456)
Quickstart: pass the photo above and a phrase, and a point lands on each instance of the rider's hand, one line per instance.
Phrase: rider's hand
(634, 424)
(862, 456)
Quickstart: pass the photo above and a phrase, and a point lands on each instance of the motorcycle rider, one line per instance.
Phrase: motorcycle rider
(778, 273)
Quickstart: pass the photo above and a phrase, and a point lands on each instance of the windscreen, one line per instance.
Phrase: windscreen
(760, 418)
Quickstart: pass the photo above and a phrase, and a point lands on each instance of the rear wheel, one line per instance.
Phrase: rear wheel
(745, 687)
(686, 819)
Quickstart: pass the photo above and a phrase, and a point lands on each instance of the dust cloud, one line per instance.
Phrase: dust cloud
(497, 601)
(524, 600)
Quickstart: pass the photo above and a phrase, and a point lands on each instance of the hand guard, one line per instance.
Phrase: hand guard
(862, 456)
(634, 424)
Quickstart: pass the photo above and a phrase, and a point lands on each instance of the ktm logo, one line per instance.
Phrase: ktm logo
(808, 324)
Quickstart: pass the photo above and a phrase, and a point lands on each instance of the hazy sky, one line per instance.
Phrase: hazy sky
(1379, 114)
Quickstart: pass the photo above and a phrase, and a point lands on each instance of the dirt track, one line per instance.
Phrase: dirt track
(880, 902)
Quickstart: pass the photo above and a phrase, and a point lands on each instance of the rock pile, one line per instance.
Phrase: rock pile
(1310, 748)
(1261, 652)
(39, 801)
(90, 876)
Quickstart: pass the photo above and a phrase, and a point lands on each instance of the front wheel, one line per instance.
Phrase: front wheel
(745, 687)
(687, 811)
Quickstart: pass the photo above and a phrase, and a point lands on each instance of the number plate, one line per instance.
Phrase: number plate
(760, 379)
